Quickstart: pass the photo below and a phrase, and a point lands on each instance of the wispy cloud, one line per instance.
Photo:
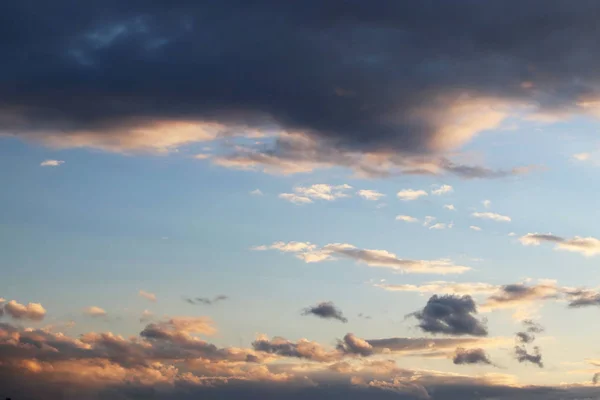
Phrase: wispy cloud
(94, 311)
(371, 195)
(256, 192)
(491, 216)
(147, 295)
(321, 191)
(441, 225)
(406, 218)
(51, 163)
(487, 203)
(588, 246)
(450, 207)
(475, 228)
(442, 189)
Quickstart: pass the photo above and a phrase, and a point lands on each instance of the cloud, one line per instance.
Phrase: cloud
(206, 301)
(519, 294)
(51, 163)
(523, 355)
(310, 253)
(256, 192)
(428, 220)
(486, 203)
(325, 310)
(525, 338)
(354, 345)
(410, 194)
(146, 316)
(147, 295)
(491, 216)
(94, 311)
(450, 314)
(406, 218)
(470, 356)
(440, 225)
(31, 311)
(442, 189)
(582, 156)
(321, 191)
(475, 228)
(372, 195)
(588, 246)
(450, 207)
(470, 288)
(300, 349)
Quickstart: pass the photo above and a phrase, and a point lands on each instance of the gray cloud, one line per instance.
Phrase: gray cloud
(325, 310)
(526, 337)
(470, 356)
(523, 355)
(588, 246)
(450, 314)
(206, 300)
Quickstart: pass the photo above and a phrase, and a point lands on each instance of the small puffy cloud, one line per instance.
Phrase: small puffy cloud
(371, 195)
(441, 225)
(470, 356)
(176, 325)
(442, 189)
(303, 348)
(31, 311)
(523, 355)
(410, 194)
(428, 220)
(450, 207)
(51, 163)
(256, 192)
(512, 234)
(486, 203)
(492, 216)
(406, 218)
(582, 156)
(352, 344)
(588, 246)
(147, 295)
(451, 315)
(94, 311)
(321, 191)
(325, 310)
(475, 228)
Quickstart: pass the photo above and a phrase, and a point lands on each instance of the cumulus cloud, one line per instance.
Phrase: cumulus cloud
(470, 356)
(147, 295)
(325, 310)
(368, 194)
(410, 194)
(51, 163)
(450, 207)
(442, 189)
(450, 314)
(441, 225)
(491, 216)
(588, 246)
(475, 228)
(31, 311)
(206, 300)
(406, 218)
(256, 192)
(94, 311)
(321, 191)
(428, 220)
(300, 349)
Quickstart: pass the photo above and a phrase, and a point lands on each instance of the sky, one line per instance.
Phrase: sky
(294, 200)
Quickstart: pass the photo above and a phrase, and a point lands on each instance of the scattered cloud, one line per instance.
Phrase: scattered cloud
(442, 189)
(206, 300)
(406, 218)
(321, 191)
(487, 203)
(450, 207)
(588, 246)
(371, 195)
(455, 288)
(525, 338)
(428, 220)
(470, 356)
(325, 310)
(51, 163)
(475, 228)
(31, 311)
(450, 315)
(374, 258)
(256, 192)
(582, 156)
(491, 216)
(440, 226)
(147, 295)
(94, 311)
(410, 194)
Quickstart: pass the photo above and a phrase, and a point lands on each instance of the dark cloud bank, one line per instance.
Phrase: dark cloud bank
(355, 77)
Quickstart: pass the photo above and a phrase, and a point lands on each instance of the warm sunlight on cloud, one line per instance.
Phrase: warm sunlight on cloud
(372, 195)
(406, 218)
(588, 246)
(147, 295)
(410, 194)
(94, 311)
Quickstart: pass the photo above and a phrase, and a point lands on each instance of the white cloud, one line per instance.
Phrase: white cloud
(147, 295)
(256, 192)
(310, 253)
(475, 228)
(372, 195)
(202, 156)
(588, 246)
(450, 207)
(441, 225)
(442, 189)
(486, 203)
(94, 311)
(410, 194)
(428, 220)
(512, 234)
(406, 218)
(582, 156)
(492, 216)
(442, 287)
(321, 191)
(51, 163)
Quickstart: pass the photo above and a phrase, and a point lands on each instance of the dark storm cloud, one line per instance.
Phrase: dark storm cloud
(325, 310)
(470, 356)
(206, 300)
(359, 76)
(450, 314)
